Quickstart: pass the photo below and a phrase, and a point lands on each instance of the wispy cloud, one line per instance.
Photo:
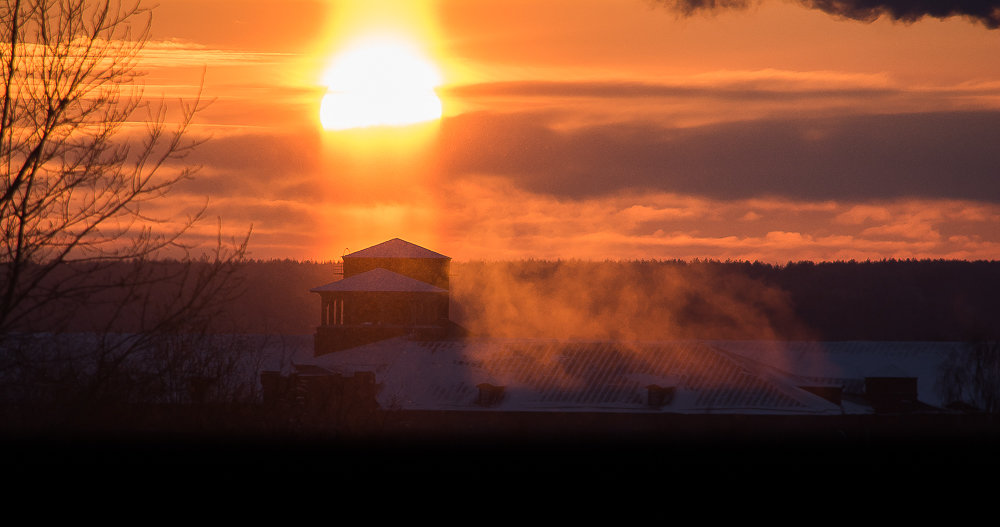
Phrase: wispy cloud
(178, 53)
(723, 96)
(488, 218)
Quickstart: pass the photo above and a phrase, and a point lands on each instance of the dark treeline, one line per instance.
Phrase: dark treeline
(199, 386)
(871, 300)
(891, 299)
(651, 299)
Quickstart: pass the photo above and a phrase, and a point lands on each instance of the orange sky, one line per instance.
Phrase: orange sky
(599, 129)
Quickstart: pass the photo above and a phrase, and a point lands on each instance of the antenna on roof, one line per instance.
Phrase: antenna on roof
(346, 251)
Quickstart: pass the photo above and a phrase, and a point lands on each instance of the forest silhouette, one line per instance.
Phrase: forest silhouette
(887, 300)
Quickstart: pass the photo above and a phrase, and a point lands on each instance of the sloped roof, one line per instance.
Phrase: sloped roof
(549, 375)
(848, 362)
(444, 374)
(396, 248)
(379, 280)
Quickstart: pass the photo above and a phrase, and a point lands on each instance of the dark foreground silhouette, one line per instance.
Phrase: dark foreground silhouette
(888, 300)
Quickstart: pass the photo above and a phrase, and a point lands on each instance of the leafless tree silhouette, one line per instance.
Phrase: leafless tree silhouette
(83, 155)
(972, 376)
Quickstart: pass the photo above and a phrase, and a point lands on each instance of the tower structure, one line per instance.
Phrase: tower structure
(391, 289)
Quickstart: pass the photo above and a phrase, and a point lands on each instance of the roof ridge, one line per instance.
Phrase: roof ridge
(396, 248)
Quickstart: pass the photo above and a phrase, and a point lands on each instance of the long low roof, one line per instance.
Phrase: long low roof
(709, 376)
(552, 375)
(379, 280)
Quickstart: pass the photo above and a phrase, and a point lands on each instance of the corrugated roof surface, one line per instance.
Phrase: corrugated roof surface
(379, 280)
(539, 375)
(396, 248)
(847, 363)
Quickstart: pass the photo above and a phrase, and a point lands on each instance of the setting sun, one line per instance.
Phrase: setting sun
(380, 82)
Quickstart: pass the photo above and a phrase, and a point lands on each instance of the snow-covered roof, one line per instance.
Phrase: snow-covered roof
(379, 280)
(717, 377)
(848, 363)
(396, 248)
(550, 375)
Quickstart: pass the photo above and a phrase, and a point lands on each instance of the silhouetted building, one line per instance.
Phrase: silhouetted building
(401, 257)
(388, 319)
(507, 388)
(391, 289)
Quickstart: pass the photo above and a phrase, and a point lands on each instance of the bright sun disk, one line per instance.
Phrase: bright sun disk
(380, 82)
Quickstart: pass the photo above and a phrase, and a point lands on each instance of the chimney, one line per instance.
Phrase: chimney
(489, 395)
(891, 394)
(659, 396)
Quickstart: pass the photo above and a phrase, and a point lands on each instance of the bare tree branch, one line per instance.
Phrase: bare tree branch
(77, 177)
(75, 180)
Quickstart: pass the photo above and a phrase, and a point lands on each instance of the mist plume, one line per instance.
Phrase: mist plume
(619, 301)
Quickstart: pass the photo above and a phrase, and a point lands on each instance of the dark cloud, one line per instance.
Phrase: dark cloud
(265, 215)
(629, 90)
(277, 154)
(985, 11)
(939, 155)
(689, 7)
(258, 165)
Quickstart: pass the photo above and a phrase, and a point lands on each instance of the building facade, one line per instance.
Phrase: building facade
(392, 289)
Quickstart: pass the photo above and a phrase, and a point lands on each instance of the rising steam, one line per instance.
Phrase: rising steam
(618, 300)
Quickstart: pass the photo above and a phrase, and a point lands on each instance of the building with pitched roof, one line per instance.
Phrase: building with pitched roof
(387, 320)
(403, 257)
(387, 290)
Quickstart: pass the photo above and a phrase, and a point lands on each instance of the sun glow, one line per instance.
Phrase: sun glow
(380, 81)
